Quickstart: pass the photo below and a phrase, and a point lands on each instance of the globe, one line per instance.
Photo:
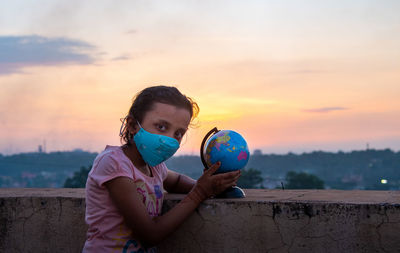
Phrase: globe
(228, 147)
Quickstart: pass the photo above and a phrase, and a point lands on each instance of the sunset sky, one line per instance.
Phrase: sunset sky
(290, 76)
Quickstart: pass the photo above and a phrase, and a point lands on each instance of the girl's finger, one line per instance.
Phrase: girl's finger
(237, 176)
(231, 175)
(233, 184)
(229, 181)
(213, 168)
(226, 178)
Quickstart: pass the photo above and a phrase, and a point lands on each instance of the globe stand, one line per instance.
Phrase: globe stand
(230, 193)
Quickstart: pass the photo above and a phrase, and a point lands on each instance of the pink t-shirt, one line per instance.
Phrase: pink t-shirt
(107, 231)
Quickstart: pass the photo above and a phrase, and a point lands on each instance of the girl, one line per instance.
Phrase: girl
(124, 189)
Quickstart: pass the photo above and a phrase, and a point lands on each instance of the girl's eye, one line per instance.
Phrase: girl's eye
(161, 127)
(178, 135)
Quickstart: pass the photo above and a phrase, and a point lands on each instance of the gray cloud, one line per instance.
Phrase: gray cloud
(7, 68)
(17, 52)
(123, 57)
(326, 109)
(132, 31)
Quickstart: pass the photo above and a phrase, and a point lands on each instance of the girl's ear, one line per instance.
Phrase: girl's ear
(132, 125)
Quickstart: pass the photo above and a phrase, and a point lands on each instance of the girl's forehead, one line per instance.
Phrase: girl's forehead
(170, 113)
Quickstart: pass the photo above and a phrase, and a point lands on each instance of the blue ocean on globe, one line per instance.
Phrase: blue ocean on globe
(228, 147)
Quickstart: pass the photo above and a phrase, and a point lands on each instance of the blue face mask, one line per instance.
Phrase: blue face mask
(154, 148)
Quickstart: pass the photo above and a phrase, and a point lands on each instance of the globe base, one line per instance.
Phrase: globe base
(232, 193)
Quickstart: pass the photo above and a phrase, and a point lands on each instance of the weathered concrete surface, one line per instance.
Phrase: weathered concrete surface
(52, 220)
(292, 221)
(42, 220)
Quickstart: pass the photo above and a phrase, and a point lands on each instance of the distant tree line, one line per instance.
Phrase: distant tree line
(41, 169)
(302, 180)
(78, 180)
(342, 170)
(249, 179)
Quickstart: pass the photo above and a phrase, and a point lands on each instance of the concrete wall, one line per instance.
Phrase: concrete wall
(42, 220)
(52, 220)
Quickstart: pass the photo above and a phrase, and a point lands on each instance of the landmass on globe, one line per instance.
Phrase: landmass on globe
(228, 147)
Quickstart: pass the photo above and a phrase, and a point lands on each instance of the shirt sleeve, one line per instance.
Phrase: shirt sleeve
(107, 169)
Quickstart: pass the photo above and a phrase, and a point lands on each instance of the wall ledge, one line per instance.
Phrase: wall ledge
(48, 220)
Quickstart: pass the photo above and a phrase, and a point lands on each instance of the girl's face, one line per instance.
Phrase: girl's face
(167, 120)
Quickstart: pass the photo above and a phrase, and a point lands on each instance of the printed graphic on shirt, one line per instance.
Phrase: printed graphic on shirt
(151, 198)
(128, 248)
(158, 192)
(124, 242)
(120, 238)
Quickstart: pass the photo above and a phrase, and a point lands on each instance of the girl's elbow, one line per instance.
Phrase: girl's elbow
(149, 237)
(150, 240)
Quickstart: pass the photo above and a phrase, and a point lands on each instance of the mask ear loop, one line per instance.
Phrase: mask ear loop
(123, 126)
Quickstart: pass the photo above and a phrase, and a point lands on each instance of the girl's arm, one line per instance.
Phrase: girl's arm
(152, 230)
(178, 183)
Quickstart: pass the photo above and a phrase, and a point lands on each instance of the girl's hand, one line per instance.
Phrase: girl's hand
(209, 185)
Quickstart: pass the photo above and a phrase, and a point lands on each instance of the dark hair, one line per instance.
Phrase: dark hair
(144, 101)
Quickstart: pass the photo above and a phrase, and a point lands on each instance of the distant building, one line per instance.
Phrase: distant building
(257, 152)
(42, 148)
